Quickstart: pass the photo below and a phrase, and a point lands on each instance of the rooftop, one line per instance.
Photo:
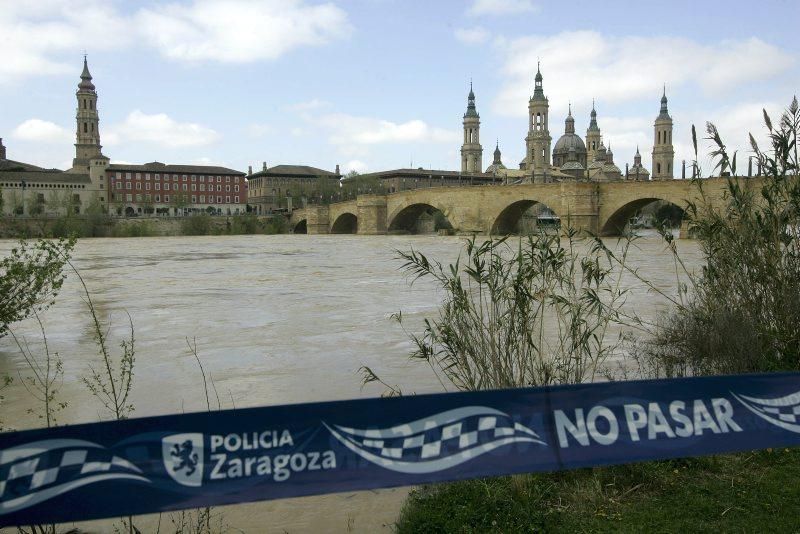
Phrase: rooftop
(292, 170)
(11, 165)
(157, 166)
(44, 176)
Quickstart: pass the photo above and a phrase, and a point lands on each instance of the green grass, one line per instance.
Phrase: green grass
(748, 492)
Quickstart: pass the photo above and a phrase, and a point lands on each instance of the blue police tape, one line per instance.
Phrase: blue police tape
(165, 463)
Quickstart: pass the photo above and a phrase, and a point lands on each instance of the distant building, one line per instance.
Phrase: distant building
(290, 186)
(396, 180)
(158, 188)
(124, 189)
(31, 190)
(573, 158)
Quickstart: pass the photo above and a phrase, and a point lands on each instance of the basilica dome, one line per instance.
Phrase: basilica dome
(569, 141)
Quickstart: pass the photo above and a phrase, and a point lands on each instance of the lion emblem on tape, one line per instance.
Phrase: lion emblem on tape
(183, 458)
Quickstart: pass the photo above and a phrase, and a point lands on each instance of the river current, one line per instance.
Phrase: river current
(276, 320)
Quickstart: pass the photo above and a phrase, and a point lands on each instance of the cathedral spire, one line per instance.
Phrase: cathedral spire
(471, 109)
(538, 91)
(664, 114)
(86, 78)
(593, 127)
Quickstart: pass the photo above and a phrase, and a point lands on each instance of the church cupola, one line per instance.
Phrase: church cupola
(569, 123)
(86, 78)
(664, 114)
(497, 163)
(568, 141)
(638, 172)
(538, 91)
(471, 110)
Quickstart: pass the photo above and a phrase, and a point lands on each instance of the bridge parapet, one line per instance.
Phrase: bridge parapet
(598, 208)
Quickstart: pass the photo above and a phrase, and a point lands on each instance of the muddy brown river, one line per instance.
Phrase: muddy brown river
(276, 320)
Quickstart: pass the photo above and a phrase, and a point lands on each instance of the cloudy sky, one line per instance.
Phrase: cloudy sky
(378, 84)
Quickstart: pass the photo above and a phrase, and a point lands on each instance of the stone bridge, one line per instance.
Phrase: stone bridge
(600, 208)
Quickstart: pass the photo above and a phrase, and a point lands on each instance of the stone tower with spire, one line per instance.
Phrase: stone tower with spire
(663, 152)
(537, 143)
(87, 136)
(638, 172)
(471, 150)
(593, 137)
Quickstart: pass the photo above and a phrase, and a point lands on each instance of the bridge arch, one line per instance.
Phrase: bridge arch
(617, 223)
(346, 223)
(418, 218)
(515, 218)
(301, 227)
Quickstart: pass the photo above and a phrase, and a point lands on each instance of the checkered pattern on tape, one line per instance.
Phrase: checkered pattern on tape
(442, 440)
(787, 414)
(61, 465)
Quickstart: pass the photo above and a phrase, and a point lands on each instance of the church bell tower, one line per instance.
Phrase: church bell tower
(87, 136)
(471, 150)
(538, 141)
(663, 151)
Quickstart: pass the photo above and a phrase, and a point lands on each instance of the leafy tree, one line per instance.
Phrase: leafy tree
(30, 278)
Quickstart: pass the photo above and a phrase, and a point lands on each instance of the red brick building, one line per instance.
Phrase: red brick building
(157, 188)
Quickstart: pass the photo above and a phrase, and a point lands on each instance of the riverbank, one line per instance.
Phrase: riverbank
(747, 492)
(99, 225)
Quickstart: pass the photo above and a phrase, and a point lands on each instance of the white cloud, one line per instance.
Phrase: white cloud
(239, 31)
(41, 131)
(160, 129)
(501, 7)
(476, 35)
(39, 34)
(349, 129)
(44, 37)
(580, 65)
(355, 165)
